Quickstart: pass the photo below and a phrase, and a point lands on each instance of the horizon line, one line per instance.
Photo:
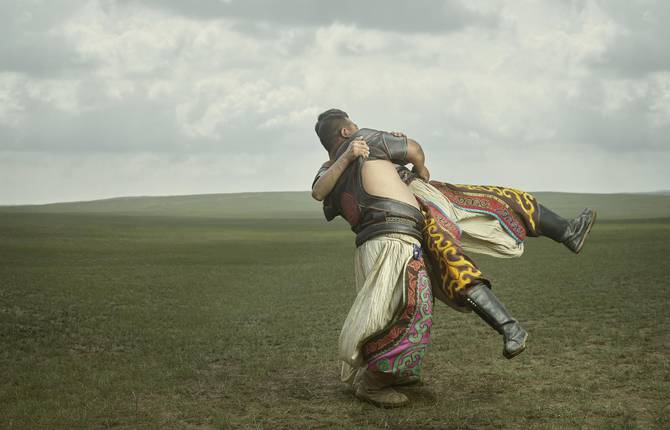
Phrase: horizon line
(657, 192)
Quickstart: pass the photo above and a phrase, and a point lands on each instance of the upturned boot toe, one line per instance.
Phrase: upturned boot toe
(579, 229)
(570, 232)
(515, 338)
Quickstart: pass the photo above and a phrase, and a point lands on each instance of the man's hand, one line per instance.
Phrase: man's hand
(326, 182)
(422, 172)
(398, 134)
(357, 148)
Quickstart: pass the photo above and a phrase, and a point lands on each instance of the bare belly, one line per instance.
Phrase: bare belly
(381, 179)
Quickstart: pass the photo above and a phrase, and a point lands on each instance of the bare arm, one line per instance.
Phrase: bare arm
(416, 156)
(325, 184)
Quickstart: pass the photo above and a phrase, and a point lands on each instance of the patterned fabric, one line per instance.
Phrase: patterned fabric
(516, 210)
(399, 350)
(455, 271)
(477, 232)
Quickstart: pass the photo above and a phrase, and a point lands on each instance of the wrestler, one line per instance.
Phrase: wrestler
(386, 332)
(489, 220)
(482, 219)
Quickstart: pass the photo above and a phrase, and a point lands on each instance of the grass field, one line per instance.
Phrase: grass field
(173, 317)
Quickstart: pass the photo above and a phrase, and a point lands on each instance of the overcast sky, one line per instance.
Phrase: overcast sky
(118, 97)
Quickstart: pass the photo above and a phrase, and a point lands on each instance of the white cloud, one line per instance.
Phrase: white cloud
(11, 108)
(505, 88)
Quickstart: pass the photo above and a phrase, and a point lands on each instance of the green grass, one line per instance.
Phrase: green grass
(112, 320)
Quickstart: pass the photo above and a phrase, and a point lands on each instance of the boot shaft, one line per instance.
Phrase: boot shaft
(552, 225)
(481, 299)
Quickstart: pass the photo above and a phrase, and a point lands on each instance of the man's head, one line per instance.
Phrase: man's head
(333, 126)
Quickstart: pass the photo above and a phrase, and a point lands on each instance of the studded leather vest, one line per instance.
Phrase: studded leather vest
(369, 215)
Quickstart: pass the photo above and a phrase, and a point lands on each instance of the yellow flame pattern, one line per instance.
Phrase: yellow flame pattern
(457, 271)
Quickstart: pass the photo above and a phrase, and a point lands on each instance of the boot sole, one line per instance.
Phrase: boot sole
(511, 355)
(588, 230)
(381, 404)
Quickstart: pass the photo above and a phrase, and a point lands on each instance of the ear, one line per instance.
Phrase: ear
(344, 132)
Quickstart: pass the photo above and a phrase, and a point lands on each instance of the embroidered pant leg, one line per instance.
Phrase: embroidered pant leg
(391, 281)
(521, 204)
(398, 350)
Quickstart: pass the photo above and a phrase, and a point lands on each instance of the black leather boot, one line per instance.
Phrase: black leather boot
(482, 300)
(571, 233)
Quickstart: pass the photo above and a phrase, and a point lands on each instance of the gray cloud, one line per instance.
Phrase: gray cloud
(31, 43)
(620, 120)
(137, 125)
(639, 46)
(421, 16)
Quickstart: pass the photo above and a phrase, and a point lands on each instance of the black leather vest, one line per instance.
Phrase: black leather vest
(369, 215)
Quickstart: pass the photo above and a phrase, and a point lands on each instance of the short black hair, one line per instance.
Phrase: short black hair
(328, 125)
